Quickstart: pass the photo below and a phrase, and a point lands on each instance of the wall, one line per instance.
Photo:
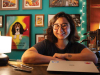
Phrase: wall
(45, 10)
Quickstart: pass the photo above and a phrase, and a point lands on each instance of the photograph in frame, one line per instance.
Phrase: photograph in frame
(31, 4)
(1, 21)
(63, 3)
(0, 33)
(76, 18)
(39, 20)
(18, 27)
(39, 38)
(9, 4)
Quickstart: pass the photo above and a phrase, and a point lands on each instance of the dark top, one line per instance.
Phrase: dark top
(47, 48)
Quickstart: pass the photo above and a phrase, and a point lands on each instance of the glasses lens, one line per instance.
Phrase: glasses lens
(64, 26)
(55, 26)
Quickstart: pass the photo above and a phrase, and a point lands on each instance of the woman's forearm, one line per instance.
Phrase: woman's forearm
(81, 57)
(37, 58)
(34, 57)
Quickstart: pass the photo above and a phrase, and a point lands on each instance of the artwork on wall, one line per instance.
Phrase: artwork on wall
(0, 33)
(18, 27)
(76, 18)
(1, 21)
(31, 4)
(50, 16)
(39, 37)
(63, 3)
(9, 4)
(39, 20)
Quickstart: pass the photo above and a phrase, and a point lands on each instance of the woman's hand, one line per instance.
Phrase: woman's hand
(60, 56)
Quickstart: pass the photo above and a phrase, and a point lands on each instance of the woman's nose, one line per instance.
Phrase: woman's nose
(60, 30)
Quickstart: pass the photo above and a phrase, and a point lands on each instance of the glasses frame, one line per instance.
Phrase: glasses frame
(60, 25)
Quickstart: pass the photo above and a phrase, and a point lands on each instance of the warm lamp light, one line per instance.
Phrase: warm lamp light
(99, 25)
(5, 47)
(0, 24)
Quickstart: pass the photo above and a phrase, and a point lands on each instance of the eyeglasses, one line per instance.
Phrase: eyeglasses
(63, 26)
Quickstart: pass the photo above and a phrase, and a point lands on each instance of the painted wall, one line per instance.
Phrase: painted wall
(45, 10)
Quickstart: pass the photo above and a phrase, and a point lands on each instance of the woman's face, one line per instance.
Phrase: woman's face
(61, 32)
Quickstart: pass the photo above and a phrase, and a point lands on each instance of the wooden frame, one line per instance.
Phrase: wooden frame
(39, 20)
(33, 5)
(18, 27)
(1, 21)
(76, 18)
(88, 15)
(0, 33)
(39, 38)
(6, 6)
(63, 3)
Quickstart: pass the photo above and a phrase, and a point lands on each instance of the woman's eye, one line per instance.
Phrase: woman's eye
(64, 25)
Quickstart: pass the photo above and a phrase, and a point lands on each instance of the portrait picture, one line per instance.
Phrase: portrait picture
(32, 4)
(39, 20)
(18, 27)
(63, 3)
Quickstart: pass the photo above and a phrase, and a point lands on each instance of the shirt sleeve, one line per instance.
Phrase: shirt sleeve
(77, 47)
(40, 47)
(81, 47)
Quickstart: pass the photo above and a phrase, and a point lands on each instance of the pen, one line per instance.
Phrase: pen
(19, 69)
(13, 65)
(26, 66)
(15, 60)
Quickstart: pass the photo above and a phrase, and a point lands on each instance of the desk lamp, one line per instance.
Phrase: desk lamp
(5, 47)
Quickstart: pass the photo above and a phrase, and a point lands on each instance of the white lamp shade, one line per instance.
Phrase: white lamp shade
(5, 44)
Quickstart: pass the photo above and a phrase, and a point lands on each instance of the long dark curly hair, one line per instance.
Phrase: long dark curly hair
(73, 36)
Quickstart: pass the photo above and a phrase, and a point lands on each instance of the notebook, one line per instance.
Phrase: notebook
(72, 66)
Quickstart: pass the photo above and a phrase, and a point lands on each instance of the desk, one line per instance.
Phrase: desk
(38, 70)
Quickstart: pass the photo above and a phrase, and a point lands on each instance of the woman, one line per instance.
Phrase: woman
(60, 43)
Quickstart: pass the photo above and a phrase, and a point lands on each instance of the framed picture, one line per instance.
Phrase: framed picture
(76, 18)
(31, 4)
(39, 20)
(9, 4)
(39, 37)
(0, 33)
(50, 16)
(1, 21)
(18, 27)
(63, 3)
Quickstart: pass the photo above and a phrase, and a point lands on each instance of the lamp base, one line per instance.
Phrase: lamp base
(3, 59)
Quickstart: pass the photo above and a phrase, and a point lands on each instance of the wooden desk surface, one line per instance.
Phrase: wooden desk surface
(38, 69)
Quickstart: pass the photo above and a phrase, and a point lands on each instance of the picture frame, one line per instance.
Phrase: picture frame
(18, 27)
(1, 21)
(63, 3)
(0, 33)
(50, 16)
(76, 18)
(39, 20)
(39, 38)
(9, 4)
(35, 4)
